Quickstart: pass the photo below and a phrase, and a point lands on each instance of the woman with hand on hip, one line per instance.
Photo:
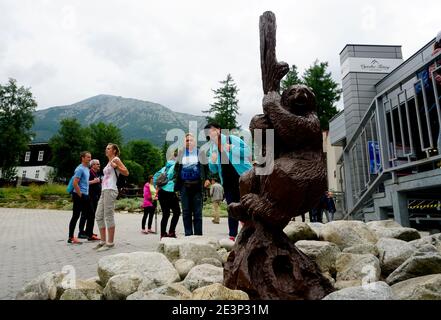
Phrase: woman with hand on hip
(106, 206)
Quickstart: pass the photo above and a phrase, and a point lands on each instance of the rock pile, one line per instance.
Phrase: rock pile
(364, 261)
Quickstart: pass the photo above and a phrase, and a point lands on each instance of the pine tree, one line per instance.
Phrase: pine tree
(291, 78)
(16, 119)
(225, 108)
(326, 91)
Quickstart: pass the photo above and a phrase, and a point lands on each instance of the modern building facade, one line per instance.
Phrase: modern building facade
(390, 134)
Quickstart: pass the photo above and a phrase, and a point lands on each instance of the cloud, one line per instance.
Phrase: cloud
(174, 52)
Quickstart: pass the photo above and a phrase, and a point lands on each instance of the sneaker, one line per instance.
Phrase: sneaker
(99, 246)
(106, 247)
(150, 231)
(144, 231)
(74, 241)
(233, 239)
(172, 235)
(82, 236)
(164, 235)
(93, 238)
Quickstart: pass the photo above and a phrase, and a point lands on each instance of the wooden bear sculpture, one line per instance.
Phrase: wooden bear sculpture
(264, 262)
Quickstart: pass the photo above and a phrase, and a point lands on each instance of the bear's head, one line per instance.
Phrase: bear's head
(299, 99)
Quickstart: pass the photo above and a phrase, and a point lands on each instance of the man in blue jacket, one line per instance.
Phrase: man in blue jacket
(229, 157)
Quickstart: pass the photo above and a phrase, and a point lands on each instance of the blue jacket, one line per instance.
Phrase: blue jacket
(170, 186)
(239, 156)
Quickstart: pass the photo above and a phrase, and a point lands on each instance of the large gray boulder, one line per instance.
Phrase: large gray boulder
(203, 275)
(44, 287)
(322, 252)
(213, 261)
(218, 292)
(175, 290)
(383, 224)
(223, 253)
(357, 269)
(393, 253)
(347, 233)
(317, 227)
(426, 261)
(365, 248)
(141, 295)
(371, 291)
(119, 287)
(89, 288)
(299, 231)
(192, 248)
(149, 264)
(73, 294)
(392, 229)
(421, 288)
(405, 234)
(226, 244)
(183, 266)
(434, 240)
(197, 252)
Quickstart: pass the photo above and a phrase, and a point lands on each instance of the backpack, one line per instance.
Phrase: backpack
(70, 186)
(121, 181)
(162, 179)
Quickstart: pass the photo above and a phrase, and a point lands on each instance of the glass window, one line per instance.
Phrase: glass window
(23, 175)
(37, 174)
(27, 156)
(40, 155)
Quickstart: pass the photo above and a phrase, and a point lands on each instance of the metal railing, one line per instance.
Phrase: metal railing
(398, 132)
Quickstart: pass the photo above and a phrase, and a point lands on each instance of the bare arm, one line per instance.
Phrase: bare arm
(118, 164)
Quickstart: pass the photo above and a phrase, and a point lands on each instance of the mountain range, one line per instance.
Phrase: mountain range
(137, 119)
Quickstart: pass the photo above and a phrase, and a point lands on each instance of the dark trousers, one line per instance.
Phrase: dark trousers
(191, 199)
(316, 215)
(148, 212)
(81, 207)
(232, 195)
(169, 202)
(89, 218)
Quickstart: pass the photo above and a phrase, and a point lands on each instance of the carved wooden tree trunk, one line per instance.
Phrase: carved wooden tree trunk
(264, 262)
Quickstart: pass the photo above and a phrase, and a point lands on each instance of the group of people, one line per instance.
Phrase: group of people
(187, 175)
(181, 181)
(94, 198)
(325, 204)
(184, 174)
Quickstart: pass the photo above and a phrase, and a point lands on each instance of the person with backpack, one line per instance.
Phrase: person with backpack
(79, 188)
(105, 211)
(94, 196)
(163, 180)
(190, 178)
(149, 205)
(229, 157)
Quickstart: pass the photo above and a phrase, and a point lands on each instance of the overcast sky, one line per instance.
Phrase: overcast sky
(173, 52)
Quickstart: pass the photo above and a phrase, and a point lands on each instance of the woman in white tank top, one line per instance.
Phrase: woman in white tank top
(106, 206)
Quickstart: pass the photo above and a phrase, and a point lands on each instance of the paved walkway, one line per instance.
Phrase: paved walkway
(33, 242)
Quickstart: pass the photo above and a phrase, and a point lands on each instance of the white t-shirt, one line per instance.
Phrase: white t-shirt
(109, 180)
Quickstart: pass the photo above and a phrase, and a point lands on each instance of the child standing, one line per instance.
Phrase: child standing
(149, 205)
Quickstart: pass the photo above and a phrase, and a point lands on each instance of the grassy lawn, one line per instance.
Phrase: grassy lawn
(54, 196)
